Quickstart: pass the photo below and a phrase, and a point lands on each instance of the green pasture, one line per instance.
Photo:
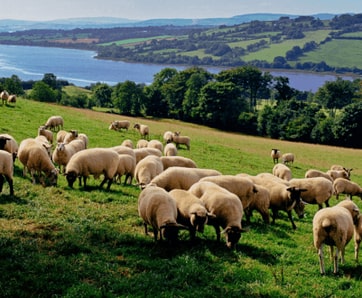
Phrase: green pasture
(131, 41)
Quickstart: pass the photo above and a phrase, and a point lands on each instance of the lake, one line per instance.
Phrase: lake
(82, 69)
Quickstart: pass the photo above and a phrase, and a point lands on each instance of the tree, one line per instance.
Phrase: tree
(102, 95)
(42, 92)
(284, 91)
(128, 98)
(51, 80)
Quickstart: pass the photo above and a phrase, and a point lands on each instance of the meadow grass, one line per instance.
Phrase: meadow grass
(62, 242)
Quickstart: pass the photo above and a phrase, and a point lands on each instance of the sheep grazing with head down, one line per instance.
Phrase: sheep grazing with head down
(275, 155)
(170, 150)
(128, 143)
(282, 171)
(54, 122)
(287, 158)
(126, 166)
(143, 129)
(141, 153)
(167, 137)
(42, 131)
(178, 139)
(148, 168)
(156, 144)
(158, 209)
(9, 144)
(6, 170)
(177, 161)
(142, 144)
(70, 136)
(342, 168)
(12, 98)
(119, 124)
(312, 173)
(334, 226)
(338, 174)
(341, 185)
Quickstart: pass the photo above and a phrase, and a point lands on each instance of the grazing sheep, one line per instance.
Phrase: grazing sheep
(338, 174)
(282, 171)
(54, 122)
(70, 136)
(143, 152)
(155, 144)
(178, 139)
(334, 226)
(181, 177)
(143, 130)
(93, 161)
(42, 131)
(12, 98)
(148, 168)
(170, 150)
(60, 136)
(191, 211)
(3, 141)
(316, 173)
(287, 158)
(4, 97)
(341, 168)
(318, 190)
(126, 166)
(6, 170)
(275, 155)
(119, 124)
(84, 138)
(63, 152)
(167, 136)
(142, 144)
(10, 145)
(158, 209)
(121, 149)
(341, 185)
(226, 208)
(177, 161)
(128, 143)
(357, 236)
(35, 157)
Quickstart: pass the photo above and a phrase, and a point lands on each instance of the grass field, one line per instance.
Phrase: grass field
(62, 242)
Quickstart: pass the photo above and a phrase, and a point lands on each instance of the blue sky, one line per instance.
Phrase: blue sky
(151, 9)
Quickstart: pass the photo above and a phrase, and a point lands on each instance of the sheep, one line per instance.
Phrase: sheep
(181, 177)
(158, 209)
(148, 168)
(143, 130)
(357, 236)
(142, 144)
(54, 122)
(342, 168)
(35, 157)
(316, 173)
(275, 155)
(287, 158)
(143, 152)
(10, 145)
(282, 171)
(338, 174)
(84, 138)
(177, 161)
(3, 141)
(70, 136)
(119, 124)
(93, 161)
(4, 97)
(42, 131)
(191, 211)
(341, 185)
(334, 226)
(12, 98)
(178, 139)
(63, 152)
(167, 137)
(128, 143)
(318, 190)
(60, 136)
(6, 170)
(226, 208)
(170, 150)
(121, 149)
(155, 144)
(126, 166)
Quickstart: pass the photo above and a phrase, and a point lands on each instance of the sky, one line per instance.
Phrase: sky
(44, 10)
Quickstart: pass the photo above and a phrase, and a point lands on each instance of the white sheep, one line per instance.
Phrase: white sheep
(226, 208)
(119, 124)
(70, 136)
(167, 136)
(338, 174)
(10, 145)
(146, 169)
(181, 177)
(6, 170)
(121, 149)
(126, 166)
(177, 161)
(60, 136)
(128, 143)
(141, 153)
(282, 171)
(334, 226)
(34, 157)
(287, 158)
(341, 185)
(84, 138)
(275, 155)
(155, 144)
(142, 144)
(12, 98)
(63, 152)
(318, 190)
(143, 130)
(54, 122)
(158, 209)
(4, 95)
(42, 131)
(191, 211)
(93, 161)
(312, 173)
(342, 168)
(357, 236)
(170, 150)
(178, 139)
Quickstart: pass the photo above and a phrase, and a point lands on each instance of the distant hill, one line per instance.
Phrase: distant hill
(9, 25)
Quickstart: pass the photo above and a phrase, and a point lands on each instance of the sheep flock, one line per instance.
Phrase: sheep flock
(175, 194)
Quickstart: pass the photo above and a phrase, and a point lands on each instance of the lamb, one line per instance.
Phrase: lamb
(181, 177)
(42, 131)
(142, 144)
(178, 139)
(167, 137)
(119, 124)
(342, 168)
(143, 152)
(287, 158)
(282, 171)
(275, 155)
(318, 190)
(155, 144)
(6, 170)
(191, 211)
(143, 130)
(177, 161)
(63, 152)
(10, 145)
(334, 226)
(170, 150)
(128, 143)
(126, 166)
(70, 136)
(316, 173)
(226, 208)
(341, 185)
(34, 156)
(338, 174)
(158, 209)
(54, 122)
(148, 168)
(93, 161)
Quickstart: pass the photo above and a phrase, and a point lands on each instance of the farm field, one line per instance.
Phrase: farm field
(58, 241)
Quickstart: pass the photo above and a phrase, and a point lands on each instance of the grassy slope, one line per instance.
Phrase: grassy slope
(76, 243)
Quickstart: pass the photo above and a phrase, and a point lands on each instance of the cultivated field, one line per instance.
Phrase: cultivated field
(58, 241)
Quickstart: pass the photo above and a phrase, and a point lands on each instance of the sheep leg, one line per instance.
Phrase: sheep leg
(217, 230)
(321, 260)
(335, 262)
(291, 219)
(1, 182)
(11, 185)
(356, 249)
